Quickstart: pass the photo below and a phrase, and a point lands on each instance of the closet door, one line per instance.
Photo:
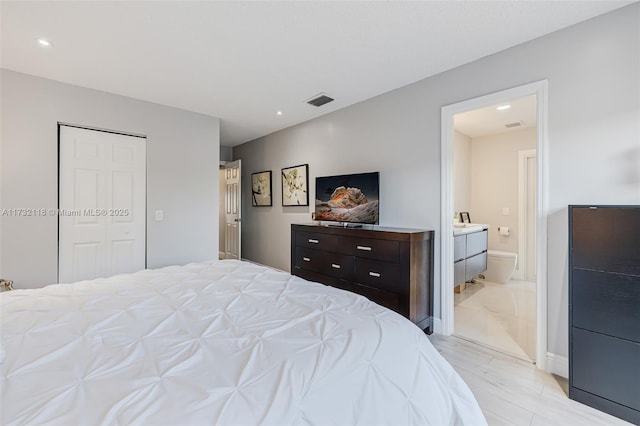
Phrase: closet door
(102, 204)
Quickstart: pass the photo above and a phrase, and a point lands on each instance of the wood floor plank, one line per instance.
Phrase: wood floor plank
(513, 392)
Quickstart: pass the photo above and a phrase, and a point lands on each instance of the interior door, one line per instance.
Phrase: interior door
(233, 228)
(102, 204)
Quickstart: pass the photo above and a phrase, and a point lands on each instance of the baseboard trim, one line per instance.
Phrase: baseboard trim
(558, 365)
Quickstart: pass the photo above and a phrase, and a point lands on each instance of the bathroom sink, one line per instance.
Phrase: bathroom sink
(465, 228)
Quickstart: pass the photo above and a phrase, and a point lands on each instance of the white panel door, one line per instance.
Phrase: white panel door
(233, 226)
(102, 204)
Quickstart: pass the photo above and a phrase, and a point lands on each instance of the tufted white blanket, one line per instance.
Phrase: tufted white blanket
(220, 342)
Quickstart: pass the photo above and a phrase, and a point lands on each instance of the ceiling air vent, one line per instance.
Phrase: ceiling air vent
(319, 100)
(515, 124)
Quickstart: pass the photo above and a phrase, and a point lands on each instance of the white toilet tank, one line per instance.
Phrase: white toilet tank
(500, 266)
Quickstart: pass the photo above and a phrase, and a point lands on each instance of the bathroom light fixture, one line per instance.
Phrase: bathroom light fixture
(44, 42)
(279, 112)
(503, 107)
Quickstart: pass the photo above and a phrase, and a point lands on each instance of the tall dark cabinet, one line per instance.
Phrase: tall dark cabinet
(604, 308)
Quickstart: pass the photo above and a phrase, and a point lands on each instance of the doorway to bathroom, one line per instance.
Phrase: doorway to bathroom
(492, 173)
(494, 305)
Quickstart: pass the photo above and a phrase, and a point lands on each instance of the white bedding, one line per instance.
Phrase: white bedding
(220, 342)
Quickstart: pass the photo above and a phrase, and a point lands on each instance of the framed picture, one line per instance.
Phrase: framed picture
(295, 186)
(464, 217)
(261, 189)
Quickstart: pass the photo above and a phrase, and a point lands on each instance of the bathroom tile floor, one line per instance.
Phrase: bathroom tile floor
(500, 316)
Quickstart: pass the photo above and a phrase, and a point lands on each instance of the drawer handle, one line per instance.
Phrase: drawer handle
(333, 265)
(365, 248)
(306, 259)
(312, 241)
(374, 274)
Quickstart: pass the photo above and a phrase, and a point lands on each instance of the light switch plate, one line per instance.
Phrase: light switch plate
(159, 215)
(505, 211)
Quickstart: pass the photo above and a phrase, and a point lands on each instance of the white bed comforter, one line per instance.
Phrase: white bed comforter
(221, 342)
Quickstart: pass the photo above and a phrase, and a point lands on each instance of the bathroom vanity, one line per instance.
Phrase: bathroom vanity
(469, 252)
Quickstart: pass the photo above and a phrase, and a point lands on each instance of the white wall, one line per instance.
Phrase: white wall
(182, 172)
(594, 143)
(461, 172)
(495, 183)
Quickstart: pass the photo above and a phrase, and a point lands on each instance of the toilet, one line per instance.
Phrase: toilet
(500, 266)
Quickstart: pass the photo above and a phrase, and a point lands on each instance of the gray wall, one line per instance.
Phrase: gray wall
(226, 153)
(594, 143)
(182, 172)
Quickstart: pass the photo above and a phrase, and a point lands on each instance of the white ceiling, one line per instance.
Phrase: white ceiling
(243, 61)
(491, 121)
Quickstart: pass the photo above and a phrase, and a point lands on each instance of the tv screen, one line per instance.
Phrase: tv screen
(348, 198)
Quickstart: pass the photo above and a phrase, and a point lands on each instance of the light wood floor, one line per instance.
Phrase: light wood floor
(513, 392)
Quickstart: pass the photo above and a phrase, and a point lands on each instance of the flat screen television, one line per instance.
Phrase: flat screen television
(348, 198)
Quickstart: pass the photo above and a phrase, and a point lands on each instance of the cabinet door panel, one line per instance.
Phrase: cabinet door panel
(607, 303)
(606, 239)
(606, 366)
(476, 243)
(459, 247)
(475, 265)
(458, 272)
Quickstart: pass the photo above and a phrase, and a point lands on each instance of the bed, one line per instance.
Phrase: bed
(219, 342)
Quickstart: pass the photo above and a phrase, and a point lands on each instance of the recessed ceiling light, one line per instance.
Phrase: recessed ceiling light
(279, 112)
(44, 42)
(503, 107)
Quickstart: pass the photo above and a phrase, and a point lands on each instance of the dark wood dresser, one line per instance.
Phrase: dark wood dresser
(390, 266)
(604, 308)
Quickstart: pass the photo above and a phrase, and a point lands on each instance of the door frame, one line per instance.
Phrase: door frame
(540, 89)
(523, 191)
(146, 186)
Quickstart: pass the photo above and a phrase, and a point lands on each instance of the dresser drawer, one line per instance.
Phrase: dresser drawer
(332, 264)
(384, 298)
(339, 266)
(382, 275)
(373, 249)
(310, 259)
(317, 241)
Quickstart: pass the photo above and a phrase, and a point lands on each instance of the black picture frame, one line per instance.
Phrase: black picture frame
(261, 194)
(295, 185)
(464, 217)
